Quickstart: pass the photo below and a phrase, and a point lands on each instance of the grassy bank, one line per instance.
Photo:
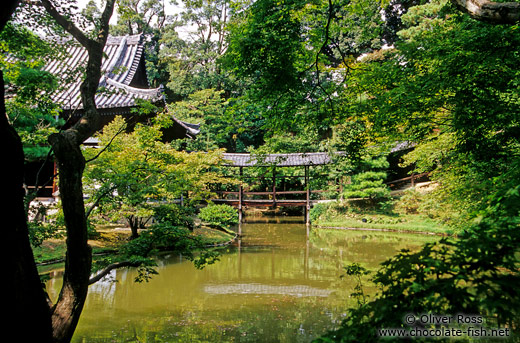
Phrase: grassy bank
(374, 221)
(342, 215)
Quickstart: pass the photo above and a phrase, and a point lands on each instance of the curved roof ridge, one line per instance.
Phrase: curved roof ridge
(131, 39)
(118, 57)
(147, 92)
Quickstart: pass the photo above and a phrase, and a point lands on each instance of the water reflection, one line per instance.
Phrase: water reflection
(256, 288)
(280, 282)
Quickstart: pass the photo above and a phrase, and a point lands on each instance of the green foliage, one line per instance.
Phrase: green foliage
(220, 216)
(460, 181)
(192, 61)
(294, 56)
(304, 141)
(136, 16)
(44, 222)
(268, 43)
(357, 271)
(431, 204)
(450, 86)
(475, 274)
(40, 231)
(369, 181)
(409, 202)
(451, 74)
(136, 171)
(367, 185)
(222, 125)
(319, 211)
(433, 153)
(29, 107)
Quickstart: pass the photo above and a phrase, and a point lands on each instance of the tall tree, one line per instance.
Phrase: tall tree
(139, 16)
(191, 55)
(71, 163)
(295, 56)
(58, 321)
(27, 299)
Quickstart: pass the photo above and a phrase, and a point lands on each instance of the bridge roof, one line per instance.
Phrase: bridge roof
(279, 160)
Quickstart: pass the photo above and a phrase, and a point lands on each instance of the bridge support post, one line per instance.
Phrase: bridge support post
(274, 187)
(240, 196)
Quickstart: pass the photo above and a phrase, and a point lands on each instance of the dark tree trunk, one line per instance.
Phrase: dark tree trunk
(134, 224)
(71, 164)
(78, 259)
(29, 318)
(29, 307)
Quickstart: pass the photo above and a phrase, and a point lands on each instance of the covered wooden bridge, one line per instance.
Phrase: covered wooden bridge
(273, 197)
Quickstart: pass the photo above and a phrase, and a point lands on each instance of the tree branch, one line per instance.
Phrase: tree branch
(68, 25)
(109, 268)
(121, 130)
(98, 200)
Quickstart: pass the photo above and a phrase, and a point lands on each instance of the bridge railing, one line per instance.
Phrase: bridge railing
(269, 199)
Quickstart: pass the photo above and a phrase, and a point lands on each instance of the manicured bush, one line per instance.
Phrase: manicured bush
(220, 216)
(368, 185)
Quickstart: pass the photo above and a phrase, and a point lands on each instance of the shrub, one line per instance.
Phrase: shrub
(175, 215)
(318, 211)
(410, 202)
(367, 185)
(219, 216)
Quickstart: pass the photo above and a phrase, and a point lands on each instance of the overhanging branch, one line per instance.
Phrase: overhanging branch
(490, 11)
(68, 25)
(109, 268)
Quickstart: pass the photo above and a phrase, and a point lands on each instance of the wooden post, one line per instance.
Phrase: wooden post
(54, 183)
(413, 181)
(308, 196)
(240, 191)
(274, 187)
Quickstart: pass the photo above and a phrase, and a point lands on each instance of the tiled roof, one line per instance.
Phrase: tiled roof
(279, 160)
(121, 62)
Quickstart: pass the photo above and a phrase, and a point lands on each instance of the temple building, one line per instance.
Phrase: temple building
(123, 84)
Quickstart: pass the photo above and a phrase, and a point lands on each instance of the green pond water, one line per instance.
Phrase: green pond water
(280, 283)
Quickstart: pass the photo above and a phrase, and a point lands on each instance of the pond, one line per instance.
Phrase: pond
(280, 283)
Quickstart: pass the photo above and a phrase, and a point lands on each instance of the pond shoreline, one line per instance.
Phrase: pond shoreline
(107, 247)
(105, 250)
(385, 230)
